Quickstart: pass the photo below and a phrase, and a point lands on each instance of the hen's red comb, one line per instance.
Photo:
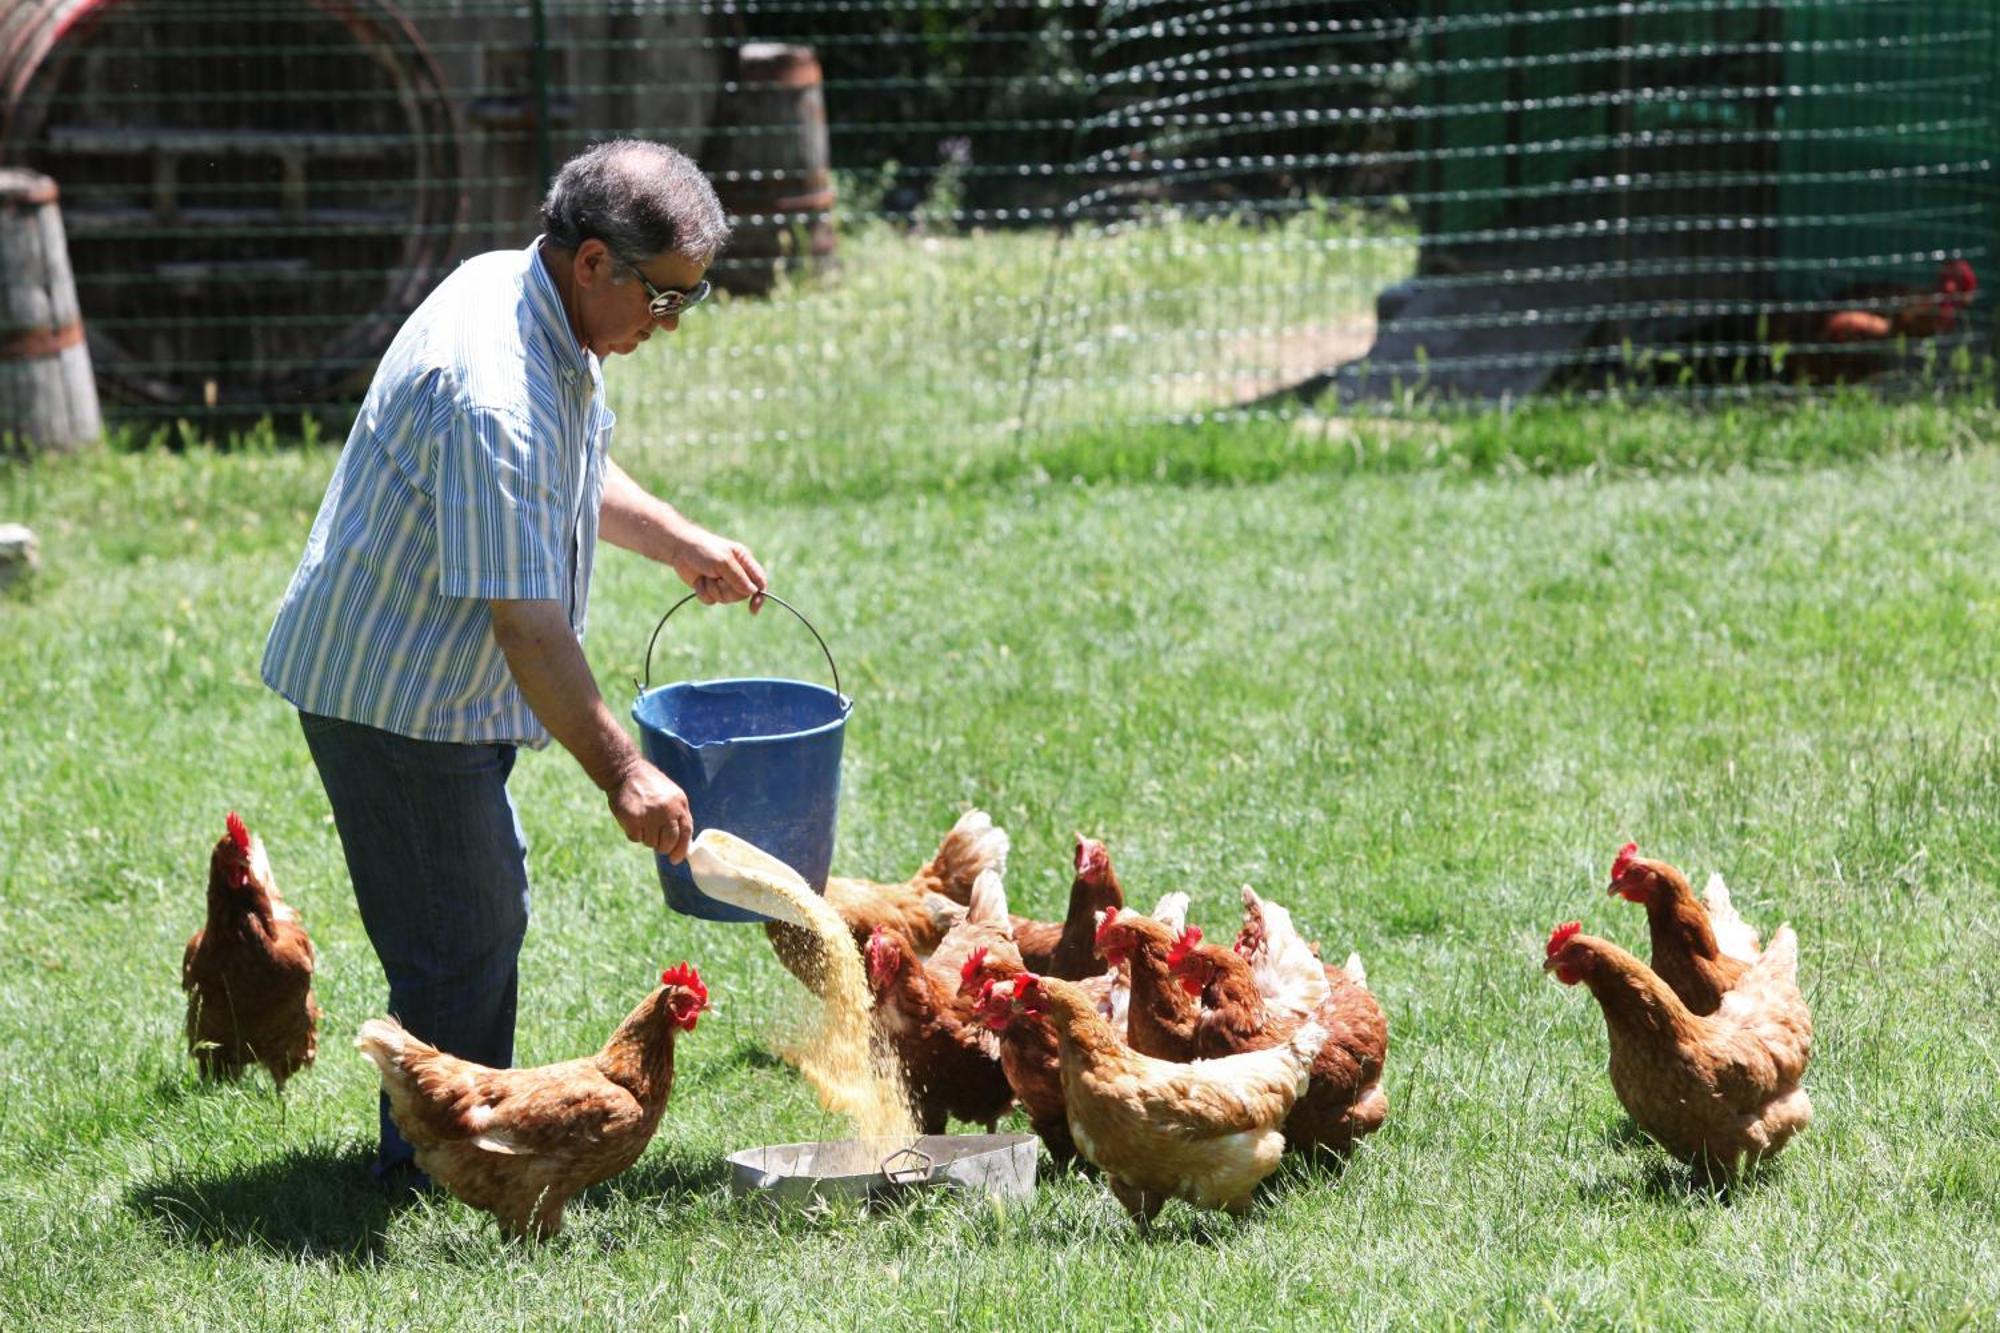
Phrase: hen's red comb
(1183, 945)
(238, 834)
(974, 961)
(1562, 935)
(687, 978)
(1957, 276)
(1025, 985)
(1626, 856)
(1104, 926)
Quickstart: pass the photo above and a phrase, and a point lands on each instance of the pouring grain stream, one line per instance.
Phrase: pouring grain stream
(838, 1059)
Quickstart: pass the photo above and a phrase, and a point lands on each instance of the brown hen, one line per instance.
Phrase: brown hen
(1065, 949)
(1206, 1132)
(248, 971)
(1700, 949)
(1715, 1090)
(1866, 333)
(1345, 1099)
(1160, 1018)
(1028, 1052)
(519, 1143)
(950, 1063)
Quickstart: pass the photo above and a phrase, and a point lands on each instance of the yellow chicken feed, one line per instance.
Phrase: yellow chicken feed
(836, 1056)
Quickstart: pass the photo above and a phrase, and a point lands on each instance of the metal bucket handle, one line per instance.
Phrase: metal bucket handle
(918, 1170)
(647, 684)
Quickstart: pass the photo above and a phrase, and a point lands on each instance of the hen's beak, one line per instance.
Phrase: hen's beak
(1611, 891)
(1548, 964)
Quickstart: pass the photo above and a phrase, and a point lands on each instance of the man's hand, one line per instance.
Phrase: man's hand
(652, 809)
(719, 570)
(548, 664)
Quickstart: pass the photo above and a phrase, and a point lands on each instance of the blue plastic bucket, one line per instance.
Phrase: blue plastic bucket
(757, 757)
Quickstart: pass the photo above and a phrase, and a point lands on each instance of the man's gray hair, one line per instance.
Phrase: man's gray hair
(640, 198)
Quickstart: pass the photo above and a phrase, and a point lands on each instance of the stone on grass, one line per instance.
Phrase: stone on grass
(20, 553)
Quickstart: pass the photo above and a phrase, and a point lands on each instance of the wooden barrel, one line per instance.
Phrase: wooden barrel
(48, 399)
(255, 194)
(773, 166)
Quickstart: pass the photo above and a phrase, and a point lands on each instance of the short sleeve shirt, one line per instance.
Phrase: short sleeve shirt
(474, 471)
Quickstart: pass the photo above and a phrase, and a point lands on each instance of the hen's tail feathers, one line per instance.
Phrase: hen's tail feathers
(1304, 1045)
(988, 902)
(1355, 971)
(1733, 935)
(1771, 987)
(1780, 962)
(946, 915)
(1287, 972)
(1273, 930)
(1251, 937)
(974, 845)
(1280, 935)
(1173, 909)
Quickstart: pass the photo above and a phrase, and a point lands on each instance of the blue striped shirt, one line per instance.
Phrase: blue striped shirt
(474, 471)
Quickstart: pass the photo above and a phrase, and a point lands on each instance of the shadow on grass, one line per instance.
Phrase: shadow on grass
(1302, 1171)
(664, 1178)
(310, 1204)
(1298, 1174)
(1670, 1182)
(1624, 1135)
(745, 1055)
(1665, 1179)
(1181, 1223)
(171, 1089)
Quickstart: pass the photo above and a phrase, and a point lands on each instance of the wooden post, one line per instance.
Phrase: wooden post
(774, 169)
(48, 399)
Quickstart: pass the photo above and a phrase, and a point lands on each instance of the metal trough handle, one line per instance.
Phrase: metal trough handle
(769, 596)
(923, 1165)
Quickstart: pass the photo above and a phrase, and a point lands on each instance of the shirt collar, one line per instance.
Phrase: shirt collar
(547, 303)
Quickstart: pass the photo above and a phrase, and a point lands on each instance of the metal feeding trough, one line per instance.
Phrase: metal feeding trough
(1001, 1165)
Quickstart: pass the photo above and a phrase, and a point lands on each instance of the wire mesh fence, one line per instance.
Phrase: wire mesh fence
(966, 219)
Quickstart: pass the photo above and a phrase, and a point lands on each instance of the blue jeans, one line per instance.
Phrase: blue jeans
(440, 873)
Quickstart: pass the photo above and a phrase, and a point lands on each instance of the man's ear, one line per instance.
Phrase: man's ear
(593, 263)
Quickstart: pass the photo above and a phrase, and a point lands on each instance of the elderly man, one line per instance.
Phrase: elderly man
(434, 623)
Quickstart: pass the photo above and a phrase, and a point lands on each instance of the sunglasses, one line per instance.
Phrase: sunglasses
(665, 303)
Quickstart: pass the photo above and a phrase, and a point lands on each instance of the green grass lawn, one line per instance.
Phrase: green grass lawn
(1417, 679)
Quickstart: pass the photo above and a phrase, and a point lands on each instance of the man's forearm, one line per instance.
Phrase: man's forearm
(549, 666)
(636, 520)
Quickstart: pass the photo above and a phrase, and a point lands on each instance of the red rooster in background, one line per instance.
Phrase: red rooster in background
(1860, 332)
(1864, 337)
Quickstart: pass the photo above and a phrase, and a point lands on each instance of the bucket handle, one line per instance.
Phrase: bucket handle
(913, 1166)
(647, 684)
